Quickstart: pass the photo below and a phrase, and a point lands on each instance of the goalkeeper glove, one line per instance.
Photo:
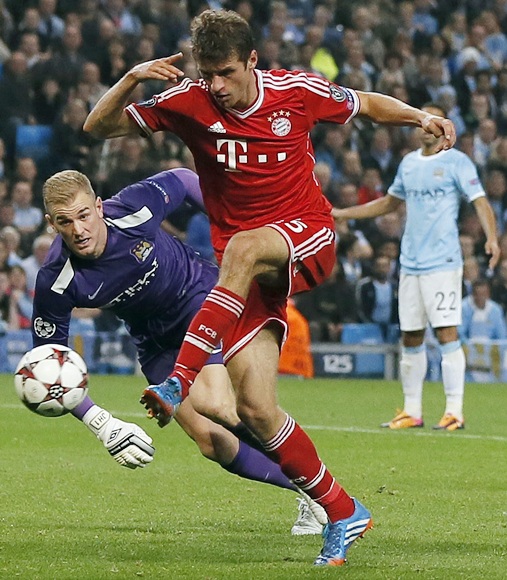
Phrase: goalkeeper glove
(127, 443)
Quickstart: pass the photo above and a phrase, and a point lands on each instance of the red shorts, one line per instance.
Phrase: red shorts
(312, 256)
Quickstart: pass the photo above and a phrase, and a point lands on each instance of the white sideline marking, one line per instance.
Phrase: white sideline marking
(379, 431)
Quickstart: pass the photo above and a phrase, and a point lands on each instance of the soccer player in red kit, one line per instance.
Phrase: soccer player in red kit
(271, 226)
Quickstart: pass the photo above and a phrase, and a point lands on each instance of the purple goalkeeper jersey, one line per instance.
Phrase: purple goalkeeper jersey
(149, 279)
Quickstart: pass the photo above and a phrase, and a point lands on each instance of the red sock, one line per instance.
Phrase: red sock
(219, 312)
(294, 451)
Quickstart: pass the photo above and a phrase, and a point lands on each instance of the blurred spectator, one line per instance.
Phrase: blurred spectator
(440, 49)
(352, 168)
(131, 165)
(381, 155)
(51, 26)
(16, 98)
(20, 300)
(363, 23)
(349, 254)
(29, 22)
(467, 246)
(468, 63)
(4, 255)
(324, 176)
(322, 60)
(385, 227)
(371, 186)
(3, 166)
(71, 147)
(329, 306)
(377, 295)
(390, 248)
(495, 42)
(484, 81)
(447, 101)
(356, 62)
(113, 63)
(6, 214)
(330, 150)
(173, 23)
(4, 192)
(67, 61)
(25, 169)
(482, 317)
(4, 301)
(29, 45)
(90, 74)
(7, 28)
(499, 285)
(391, 74)
(495, 185)
(296, 355)
(498, 157)
(125, 21)
(323, 17)
(455, 31)
(484, 142)
(466, 144)
(12, 239)
(31, 265)
(471, 273)
(48, 101)
(28, 219)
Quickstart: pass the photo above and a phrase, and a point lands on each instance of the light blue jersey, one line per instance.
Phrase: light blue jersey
(432, 187)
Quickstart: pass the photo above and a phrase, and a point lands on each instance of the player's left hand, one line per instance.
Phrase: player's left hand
(440, 127)
(493, 250)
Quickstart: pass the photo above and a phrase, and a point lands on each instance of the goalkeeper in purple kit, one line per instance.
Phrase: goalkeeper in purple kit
(114, 255)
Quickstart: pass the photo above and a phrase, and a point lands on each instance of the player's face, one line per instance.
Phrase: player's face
(231, 82)
(81, 225)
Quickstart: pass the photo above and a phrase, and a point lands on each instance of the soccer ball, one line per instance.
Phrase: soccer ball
(51, 380)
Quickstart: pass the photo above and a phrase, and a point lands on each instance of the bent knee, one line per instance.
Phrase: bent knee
(242, 248)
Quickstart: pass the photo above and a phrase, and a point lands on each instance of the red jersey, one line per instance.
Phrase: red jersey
(255, 166)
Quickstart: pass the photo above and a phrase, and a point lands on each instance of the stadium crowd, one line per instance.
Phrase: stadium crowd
(58, 57)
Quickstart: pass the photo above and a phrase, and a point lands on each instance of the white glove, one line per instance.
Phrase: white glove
(127, 443)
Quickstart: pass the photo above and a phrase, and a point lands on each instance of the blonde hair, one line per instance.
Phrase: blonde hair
(62, 187)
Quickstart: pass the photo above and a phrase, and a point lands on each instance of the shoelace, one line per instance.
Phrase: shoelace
(303, 510)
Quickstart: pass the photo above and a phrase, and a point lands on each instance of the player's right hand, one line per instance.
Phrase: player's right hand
(127, 443)
(161, 69)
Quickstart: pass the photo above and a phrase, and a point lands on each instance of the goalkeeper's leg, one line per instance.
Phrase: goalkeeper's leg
(220, 445)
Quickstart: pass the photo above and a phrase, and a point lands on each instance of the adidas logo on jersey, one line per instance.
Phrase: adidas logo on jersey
(217, 128)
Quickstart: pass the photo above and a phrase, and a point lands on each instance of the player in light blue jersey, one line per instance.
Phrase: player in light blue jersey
(432, 185)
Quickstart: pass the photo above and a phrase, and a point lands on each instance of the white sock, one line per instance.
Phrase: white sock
(453, 377)
(413, 367)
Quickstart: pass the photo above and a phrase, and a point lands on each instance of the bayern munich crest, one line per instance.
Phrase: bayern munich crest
(280, 123)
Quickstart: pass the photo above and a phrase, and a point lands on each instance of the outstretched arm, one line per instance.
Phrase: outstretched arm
(108, 118)
(488, 223)
(390, 111)
(372, 209)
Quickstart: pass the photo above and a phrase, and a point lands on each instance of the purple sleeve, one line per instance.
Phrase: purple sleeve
(51, 313)
(190, 181)
(163, 193)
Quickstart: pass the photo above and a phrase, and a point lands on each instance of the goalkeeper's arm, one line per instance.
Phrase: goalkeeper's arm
(127, 443)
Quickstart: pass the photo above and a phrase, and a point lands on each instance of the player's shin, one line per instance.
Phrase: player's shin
(219, 313)
(294, 451)
(252, 464)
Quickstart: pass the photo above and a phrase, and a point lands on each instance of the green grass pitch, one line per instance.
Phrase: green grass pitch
(439, 500)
